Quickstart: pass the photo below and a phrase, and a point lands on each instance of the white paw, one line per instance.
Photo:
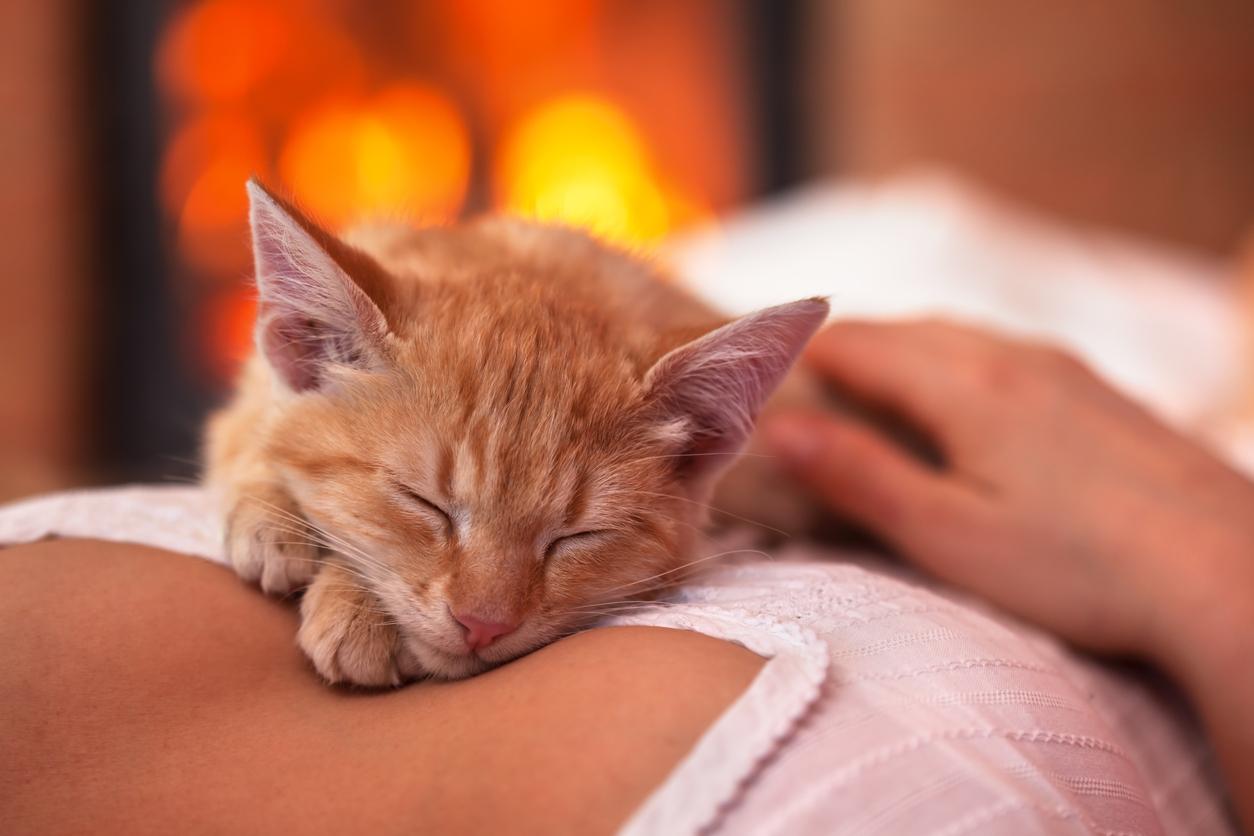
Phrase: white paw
(347, 635)
(268, 543)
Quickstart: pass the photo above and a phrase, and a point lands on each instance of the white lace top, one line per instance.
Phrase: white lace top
(885, 707)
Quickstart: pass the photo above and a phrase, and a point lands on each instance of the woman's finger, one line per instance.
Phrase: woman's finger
(863, 476)
(903, 368)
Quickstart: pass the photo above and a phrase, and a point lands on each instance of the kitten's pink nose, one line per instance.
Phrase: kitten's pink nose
(480, 633)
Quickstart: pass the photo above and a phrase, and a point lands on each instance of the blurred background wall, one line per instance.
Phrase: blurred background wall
(1129, 114)
(46, 285)
(132, 127)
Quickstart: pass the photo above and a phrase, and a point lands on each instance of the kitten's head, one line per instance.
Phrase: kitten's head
(498, 453)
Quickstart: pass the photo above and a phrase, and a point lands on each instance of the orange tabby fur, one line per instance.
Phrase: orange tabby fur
(511, 383)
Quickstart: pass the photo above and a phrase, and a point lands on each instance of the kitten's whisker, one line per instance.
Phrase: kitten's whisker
(685, 566)
(357, 553)
(700, 455)
(305, 540)
(644, 583)
(593, 610)
(192, 481)
(337, 544)
(301, 523)
(714, 508)
(349, 585)
(308, 537)
(586, 619)
(617, 610)
(609, 603)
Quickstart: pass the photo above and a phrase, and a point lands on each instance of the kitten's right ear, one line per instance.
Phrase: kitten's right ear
(713, 387)
(310, 315)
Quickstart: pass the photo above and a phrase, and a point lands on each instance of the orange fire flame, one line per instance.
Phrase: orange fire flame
(279, 90)
(580, 160)
(403, 152)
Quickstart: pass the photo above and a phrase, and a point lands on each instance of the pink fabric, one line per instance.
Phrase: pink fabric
(936, 716)
(884, 707)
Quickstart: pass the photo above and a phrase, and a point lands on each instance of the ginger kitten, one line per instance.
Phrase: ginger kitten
(464, 440)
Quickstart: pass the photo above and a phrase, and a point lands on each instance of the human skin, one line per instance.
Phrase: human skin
(1059, 499)
(149, 692)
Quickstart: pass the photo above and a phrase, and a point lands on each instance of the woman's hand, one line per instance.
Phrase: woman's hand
(1059, 499)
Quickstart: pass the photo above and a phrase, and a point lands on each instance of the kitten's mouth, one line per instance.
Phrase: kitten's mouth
(444, 655)
(442, 664)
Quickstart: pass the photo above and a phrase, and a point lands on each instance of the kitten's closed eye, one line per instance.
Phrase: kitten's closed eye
(432, 510)
(578, 539)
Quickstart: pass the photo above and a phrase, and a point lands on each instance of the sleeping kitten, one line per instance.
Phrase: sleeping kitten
(464, 440)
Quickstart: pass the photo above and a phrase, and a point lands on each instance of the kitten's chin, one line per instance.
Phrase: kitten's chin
(438, 664)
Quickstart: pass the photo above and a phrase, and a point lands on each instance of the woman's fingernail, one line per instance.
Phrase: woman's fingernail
(794, 440)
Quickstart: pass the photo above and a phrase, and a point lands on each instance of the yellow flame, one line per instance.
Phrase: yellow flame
(405, 152)
(579, 160)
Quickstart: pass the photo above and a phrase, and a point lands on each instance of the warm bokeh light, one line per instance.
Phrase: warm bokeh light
(219, 50)
(200, 187)
(212, 227)
(274, 57)
(515, 34)
(405, 152)
(361, 111)
(202, 141)
(226, 329)
(580, 160)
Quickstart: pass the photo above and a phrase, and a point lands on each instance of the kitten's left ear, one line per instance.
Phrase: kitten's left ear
(311, 315)
(715, 385)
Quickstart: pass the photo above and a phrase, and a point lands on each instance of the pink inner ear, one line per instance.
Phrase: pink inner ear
(717, 384)
(311, 314)
(293, 346)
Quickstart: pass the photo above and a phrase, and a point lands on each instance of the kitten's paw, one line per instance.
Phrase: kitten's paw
(347, 635)
(269, 543)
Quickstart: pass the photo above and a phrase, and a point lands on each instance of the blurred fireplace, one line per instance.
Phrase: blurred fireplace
(635, 118)
(136, 123)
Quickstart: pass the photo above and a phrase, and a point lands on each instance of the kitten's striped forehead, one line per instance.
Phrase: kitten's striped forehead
(532, 410)
(553, 495)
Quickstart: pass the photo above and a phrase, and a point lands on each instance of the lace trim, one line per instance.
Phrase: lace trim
(178, 519)
(707, 781)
